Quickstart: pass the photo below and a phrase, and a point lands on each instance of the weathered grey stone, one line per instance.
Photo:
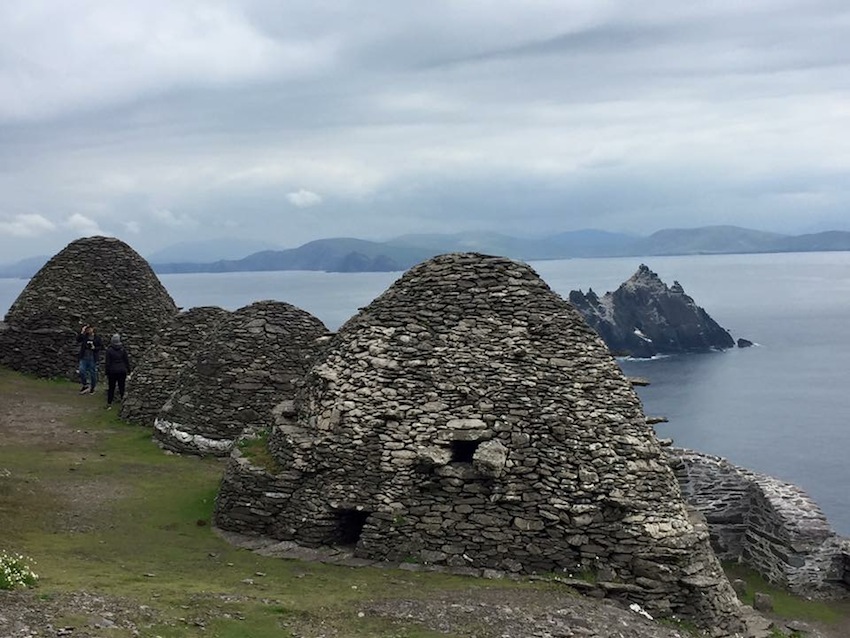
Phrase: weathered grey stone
(762, 602)
(771, 526)
(99, 281)
(174, 347)
(250, 362)
(490, 458)
(510, 440)
(433, 455)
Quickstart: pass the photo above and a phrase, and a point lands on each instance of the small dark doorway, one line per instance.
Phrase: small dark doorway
(349, 526)
(463, 451)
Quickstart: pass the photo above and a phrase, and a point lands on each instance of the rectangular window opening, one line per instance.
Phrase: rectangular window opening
(349, 526)
(463, 451)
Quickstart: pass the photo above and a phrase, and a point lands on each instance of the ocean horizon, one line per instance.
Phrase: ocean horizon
(778, 408)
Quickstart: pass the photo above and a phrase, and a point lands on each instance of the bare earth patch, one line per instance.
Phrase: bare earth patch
(43, 418)
(505, 614)
(31, 418)
(83, 503)
(25, 615)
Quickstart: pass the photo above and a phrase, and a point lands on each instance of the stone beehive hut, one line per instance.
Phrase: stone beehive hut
(252, 362)
(96, 280)
(174, 348)
(469, 417)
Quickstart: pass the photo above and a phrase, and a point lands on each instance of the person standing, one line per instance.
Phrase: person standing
(117, 368)
(90, 347)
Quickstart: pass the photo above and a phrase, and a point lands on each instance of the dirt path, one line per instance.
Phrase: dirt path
(41, 417)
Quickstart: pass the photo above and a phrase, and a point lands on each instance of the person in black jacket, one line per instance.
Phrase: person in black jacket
(90, 347)
(117, 368)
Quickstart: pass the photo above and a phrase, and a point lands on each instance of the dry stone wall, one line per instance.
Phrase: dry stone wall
(772, 526)
(96, 280)
(252, 362)
(470, 417)
(252, 498)
(174, 348)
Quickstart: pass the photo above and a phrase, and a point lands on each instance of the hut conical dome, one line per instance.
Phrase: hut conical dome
(469, 417)
(173, 349)
(96, 280)
(252, 361)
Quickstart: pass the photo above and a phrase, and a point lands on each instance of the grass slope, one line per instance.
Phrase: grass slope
(101, 509)
(104, 511)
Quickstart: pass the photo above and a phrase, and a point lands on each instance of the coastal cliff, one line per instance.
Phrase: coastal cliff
(469, 419)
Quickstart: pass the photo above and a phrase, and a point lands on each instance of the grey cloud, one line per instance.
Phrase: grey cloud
(637, 51)
(594, 40)
(58, 57)
(438, 116)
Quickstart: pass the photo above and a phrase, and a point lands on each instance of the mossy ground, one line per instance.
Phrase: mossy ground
(102, 509)
(256, 450)
(788, 606)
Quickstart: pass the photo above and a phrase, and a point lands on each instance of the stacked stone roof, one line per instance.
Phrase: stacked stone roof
(469, 417)
(174, 347)
(251, 362)
(96, 280)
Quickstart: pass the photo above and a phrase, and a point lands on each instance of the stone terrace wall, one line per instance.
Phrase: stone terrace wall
(96, 280)
(251, 499)
(251, 363)
(772, 526)
(174, 347)
(470, 417)
(721, 492)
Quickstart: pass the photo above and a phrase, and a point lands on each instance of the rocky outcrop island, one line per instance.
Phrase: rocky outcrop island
(644, 317)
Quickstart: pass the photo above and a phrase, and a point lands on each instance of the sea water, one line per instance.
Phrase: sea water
(780, 407)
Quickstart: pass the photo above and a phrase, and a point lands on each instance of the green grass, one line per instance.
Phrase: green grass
(785, 604)
(151, 541)
(256, 450)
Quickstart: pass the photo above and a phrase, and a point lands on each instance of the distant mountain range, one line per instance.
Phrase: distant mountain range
(210, 250)
(358, 255)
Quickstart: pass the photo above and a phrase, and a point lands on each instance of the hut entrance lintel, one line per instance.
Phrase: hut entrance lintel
(463, 451)
(349, 525)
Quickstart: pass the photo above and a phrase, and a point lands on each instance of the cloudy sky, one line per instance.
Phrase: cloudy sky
(168, 120)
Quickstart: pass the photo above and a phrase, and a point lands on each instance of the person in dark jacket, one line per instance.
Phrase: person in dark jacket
(90, 347)
(117, 368)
